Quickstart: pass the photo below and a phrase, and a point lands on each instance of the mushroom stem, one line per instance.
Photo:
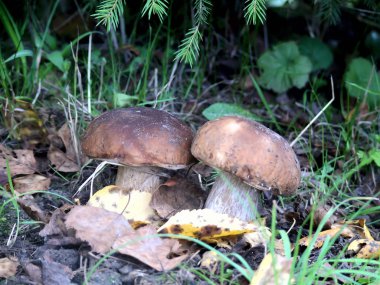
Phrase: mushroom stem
(144, 179)
(230, 195)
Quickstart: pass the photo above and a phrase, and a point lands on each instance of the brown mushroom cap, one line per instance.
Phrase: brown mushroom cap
(139, 137)
(249, 150)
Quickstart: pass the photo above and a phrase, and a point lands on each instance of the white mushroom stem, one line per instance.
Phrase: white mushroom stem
(230, 195)
(144, 179)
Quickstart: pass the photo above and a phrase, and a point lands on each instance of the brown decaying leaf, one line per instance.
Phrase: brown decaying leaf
(99, 227)
(273, 270)
(152, 250)
(364, 248)
(20, 161)
(61, 161)
(175, 195)
(28, 204)
(34, 272)
(70, 160)
(349, 229)
(31, 182)
(8, 267)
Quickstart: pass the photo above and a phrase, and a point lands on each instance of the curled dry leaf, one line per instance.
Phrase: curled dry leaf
(56, 225)
(8, 267)
(206, 224)
(20, 161)
(133, 205)
(210, 260)
(273, 270)
(31, 182)
(31, 208)
(99, 227)
(159, 253)
(175, 195)
(364, 248)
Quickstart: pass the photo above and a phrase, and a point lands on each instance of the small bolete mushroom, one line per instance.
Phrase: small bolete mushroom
(143, 140)
(250, 157)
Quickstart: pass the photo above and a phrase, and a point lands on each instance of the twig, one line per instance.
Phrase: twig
(317, 116)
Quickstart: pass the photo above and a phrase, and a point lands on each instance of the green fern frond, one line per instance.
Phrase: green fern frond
(158, 7)
(108, 13)
(189, 48)
(255, 10)
(330, 11)
(202, 9)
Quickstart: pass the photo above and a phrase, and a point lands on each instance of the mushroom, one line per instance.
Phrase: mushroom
(251, 157)
(143, 140)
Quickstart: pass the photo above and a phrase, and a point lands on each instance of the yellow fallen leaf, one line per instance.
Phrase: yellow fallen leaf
(354, 228)
(206, 225)
(322, 236)
(8, 267)
(274, 271)
(133, 205)
(348, 229)
(365, 248)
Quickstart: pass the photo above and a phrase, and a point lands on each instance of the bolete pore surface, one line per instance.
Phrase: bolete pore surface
(251, 157)
(144, 140)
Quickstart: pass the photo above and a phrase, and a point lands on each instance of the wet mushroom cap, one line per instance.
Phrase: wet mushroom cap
(139, 136)
(249, 150)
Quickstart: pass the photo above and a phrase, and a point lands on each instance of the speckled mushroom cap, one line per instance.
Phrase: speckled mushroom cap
(249, 150)
(139, 137)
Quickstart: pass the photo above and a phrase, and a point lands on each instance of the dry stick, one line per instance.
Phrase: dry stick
(317, 116)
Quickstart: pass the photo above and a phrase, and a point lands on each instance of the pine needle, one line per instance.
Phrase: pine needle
(255, 10)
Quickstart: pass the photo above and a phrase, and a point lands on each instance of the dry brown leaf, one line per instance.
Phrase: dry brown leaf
(21, 161)
(8, 267)
(320, 213)
(206, 225)
(56, 225)
(152, 250)
(273, 271)
(31, 182)
(61, 161)
(29, 205)
(99, 227)
(364, 248)
(133, 205)
(175, 195)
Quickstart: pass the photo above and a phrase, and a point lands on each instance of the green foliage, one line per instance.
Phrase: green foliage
(362, 81)
(189, 48)
(108, 13)
(284, 67)
(319, 53)
(369, 157)
(254, 11)
(158, 7)
(329, 11)
(218, 110)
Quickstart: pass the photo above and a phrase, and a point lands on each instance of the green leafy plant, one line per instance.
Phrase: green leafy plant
(218, 110)
(319, 53)
(284, 67)
(362, 81)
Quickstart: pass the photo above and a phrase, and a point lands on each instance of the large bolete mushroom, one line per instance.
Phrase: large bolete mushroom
(251, 157)
(143, 140)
